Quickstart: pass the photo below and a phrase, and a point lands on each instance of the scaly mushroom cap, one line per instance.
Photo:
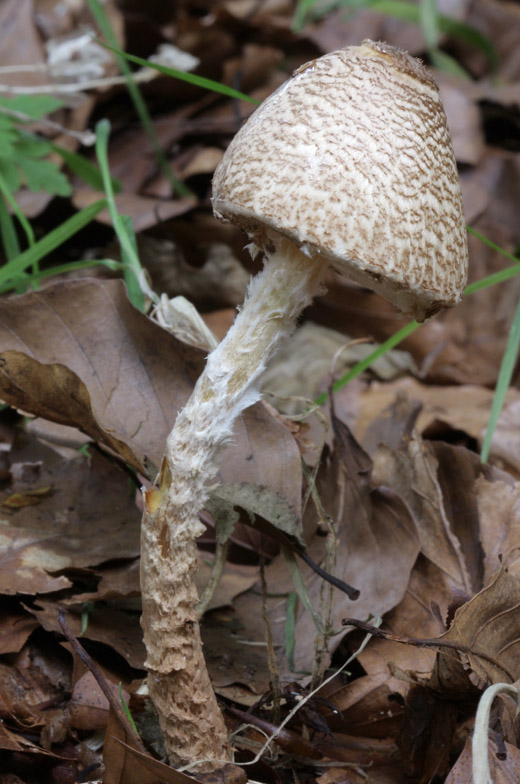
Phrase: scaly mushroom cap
(351, 159)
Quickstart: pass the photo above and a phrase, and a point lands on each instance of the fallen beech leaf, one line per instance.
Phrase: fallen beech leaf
(119, 581)
(54, 392)
(235, 579)
(110, 366)
(88, 706)
(236, 652)
(97, 363)
(135, 767)
(498, 504)
(28, 498)
(89, 518)
(389, 774)
(144, 211)
(503, 770)
(412, 617)
(114, 627)
(16, 627)
(490, 623)
(464, 407)
(277, 515)
(362, 707)
(412, 471)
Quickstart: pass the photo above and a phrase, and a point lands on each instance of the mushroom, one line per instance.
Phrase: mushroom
(348, 164)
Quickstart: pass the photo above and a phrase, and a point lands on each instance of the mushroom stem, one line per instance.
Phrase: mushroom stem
(178, 681)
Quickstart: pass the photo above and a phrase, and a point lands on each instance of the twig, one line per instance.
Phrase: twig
(419, 642)
(53, 88)
(101, 680)
(85, 137)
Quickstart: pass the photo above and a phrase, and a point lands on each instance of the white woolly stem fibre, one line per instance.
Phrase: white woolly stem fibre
(178, 680)
(230, 382)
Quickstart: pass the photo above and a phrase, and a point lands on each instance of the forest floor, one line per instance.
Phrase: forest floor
(391, 481)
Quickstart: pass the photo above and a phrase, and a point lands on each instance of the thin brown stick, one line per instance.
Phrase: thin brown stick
(420, 642)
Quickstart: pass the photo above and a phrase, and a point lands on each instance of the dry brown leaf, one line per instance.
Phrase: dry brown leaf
(114, 627)
(89, 518)
(98, 363)
(463, 408)
(144, 211)
(413, 617)
(503, 771)
(53, 391)
(236, 579)
(16, 627)
(490, 624)
(235, 651)
(388, 775)
(119, 581)
(376, 548)
(466, 513)
(365, 706)
(125, 764)
(499, 512)
(505, 446)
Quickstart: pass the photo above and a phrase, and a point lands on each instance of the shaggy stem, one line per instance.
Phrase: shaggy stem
(178, 681)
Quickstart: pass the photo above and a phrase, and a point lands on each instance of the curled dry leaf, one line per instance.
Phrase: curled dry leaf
(97, 363)
(412, 471)
(465, 408)
(490, 623)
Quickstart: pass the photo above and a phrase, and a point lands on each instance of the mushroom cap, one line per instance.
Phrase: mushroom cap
(351, 159)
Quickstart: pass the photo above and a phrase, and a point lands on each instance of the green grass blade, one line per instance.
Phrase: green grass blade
(504, 379)
(470, 35)
(408, 329)
(8, 233)
(12, 270)
(300, 587)
(290, 627)
(132, 265)
(492, 280)
(430, 22)
(24, 223)
(365, 363)
(185, 76)
(61, 269)
(122, 224)
(493, 245)
(103, 23)
(84, 169)
(445, 62)
(126, 709)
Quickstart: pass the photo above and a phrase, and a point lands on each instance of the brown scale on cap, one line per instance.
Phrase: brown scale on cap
(352, 160)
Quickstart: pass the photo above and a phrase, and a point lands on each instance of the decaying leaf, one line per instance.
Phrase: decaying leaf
(97, 363)
(504, 762)
(89, 518)
(490, 623)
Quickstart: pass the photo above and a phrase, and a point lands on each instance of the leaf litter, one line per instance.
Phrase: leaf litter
(394, 500)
